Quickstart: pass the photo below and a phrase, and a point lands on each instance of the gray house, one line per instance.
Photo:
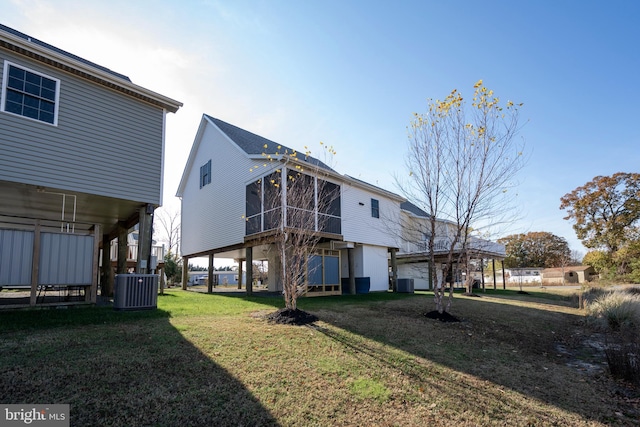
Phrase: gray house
(81, 162)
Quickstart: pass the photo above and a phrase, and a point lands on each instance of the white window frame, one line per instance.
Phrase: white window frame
(3, 98)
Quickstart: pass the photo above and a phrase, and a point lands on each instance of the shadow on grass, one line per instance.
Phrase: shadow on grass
(511, 346)
(118, 369)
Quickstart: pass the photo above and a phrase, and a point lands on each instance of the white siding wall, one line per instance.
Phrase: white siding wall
(369, 261)
(212, 216)
(418, 272)
(359, 226)
(376, 266)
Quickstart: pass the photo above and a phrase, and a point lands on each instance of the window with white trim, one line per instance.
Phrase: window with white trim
(375, 208)
(30, 94)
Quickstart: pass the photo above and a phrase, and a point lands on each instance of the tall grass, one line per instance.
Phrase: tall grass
(618, 314)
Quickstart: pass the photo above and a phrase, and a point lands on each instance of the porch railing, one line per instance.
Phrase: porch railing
(132, 251)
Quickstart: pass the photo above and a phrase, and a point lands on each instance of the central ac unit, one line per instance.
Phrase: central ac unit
(135, 292)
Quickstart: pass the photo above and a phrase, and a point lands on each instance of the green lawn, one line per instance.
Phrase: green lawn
(204, 360)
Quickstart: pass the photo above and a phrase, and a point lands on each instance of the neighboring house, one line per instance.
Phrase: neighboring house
(81, 163)
(570, 275)
(224, 215)
(221, 277)
(517, 276)
(133, 238)
(413, 257)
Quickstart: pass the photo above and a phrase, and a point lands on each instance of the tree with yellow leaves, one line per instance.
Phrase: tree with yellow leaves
(462, 162)
(299, 204)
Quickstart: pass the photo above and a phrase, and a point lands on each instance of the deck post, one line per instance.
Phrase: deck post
(185, 272)
(91, 294)
(240, 273)
(210, 275)
(493, 264)
(394, 270)
(249, 286)
(504, 279)
(351, 260)
(106, 280)
(144, 239)
(35, 266)
(121, 263)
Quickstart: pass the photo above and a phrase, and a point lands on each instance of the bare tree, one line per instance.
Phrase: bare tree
(169, 227)
(300, 205)
(462, 162)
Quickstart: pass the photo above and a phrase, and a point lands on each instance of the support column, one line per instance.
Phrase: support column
(394, 270)
(352, 267)
(249, 255)
(482, 272)
(145, 231)
(240, 272)
(106, 280)
(162, 284)
(91, 295)
(35, 266)
(493, 264)
(210, 276)
(504, 280)
(185, 272)
(121, 263)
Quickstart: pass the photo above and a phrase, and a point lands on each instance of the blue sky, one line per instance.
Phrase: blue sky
(351, 73)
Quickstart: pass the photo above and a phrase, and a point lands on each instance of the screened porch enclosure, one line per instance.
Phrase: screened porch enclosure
(310, 203)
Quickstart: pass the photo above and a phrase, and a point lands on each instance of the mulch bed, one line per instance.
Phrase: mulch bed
(285, 316)
(443, 317)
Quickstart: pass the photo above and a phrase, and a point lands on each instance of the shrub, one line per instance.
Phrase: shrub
(589, 295)
(618, 309)
(623, 356)
(618, 313)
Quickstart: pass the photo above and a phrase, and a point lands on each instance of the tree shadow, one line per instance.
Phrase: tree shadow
(493, 342)
(120, 369)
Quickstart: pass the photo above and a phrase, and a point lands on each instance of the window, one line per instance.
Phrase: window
(375, 208)
(30, 94)
(205, 174)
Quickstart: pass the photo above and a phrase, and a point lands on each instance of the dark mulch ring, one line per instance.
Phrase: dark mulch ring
(443, 317)
(285, 316)
(523, 292)
(467, 294)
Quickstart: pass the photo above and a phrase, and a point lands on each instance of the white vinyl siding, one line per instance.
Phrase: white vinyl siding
(105, 143)
(213, 217)
(359, 226)
(419, 272)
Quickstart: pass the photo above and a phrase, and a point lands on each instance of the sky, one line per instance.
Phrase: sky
(351, 73)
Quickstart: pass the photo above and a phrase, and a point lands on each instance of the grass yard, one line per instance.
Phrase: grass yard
(205, 360)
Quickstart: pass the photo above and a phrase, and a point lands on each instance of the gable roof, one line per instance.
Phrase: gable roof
(410, 207)
(37, 50)
(256, 145)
